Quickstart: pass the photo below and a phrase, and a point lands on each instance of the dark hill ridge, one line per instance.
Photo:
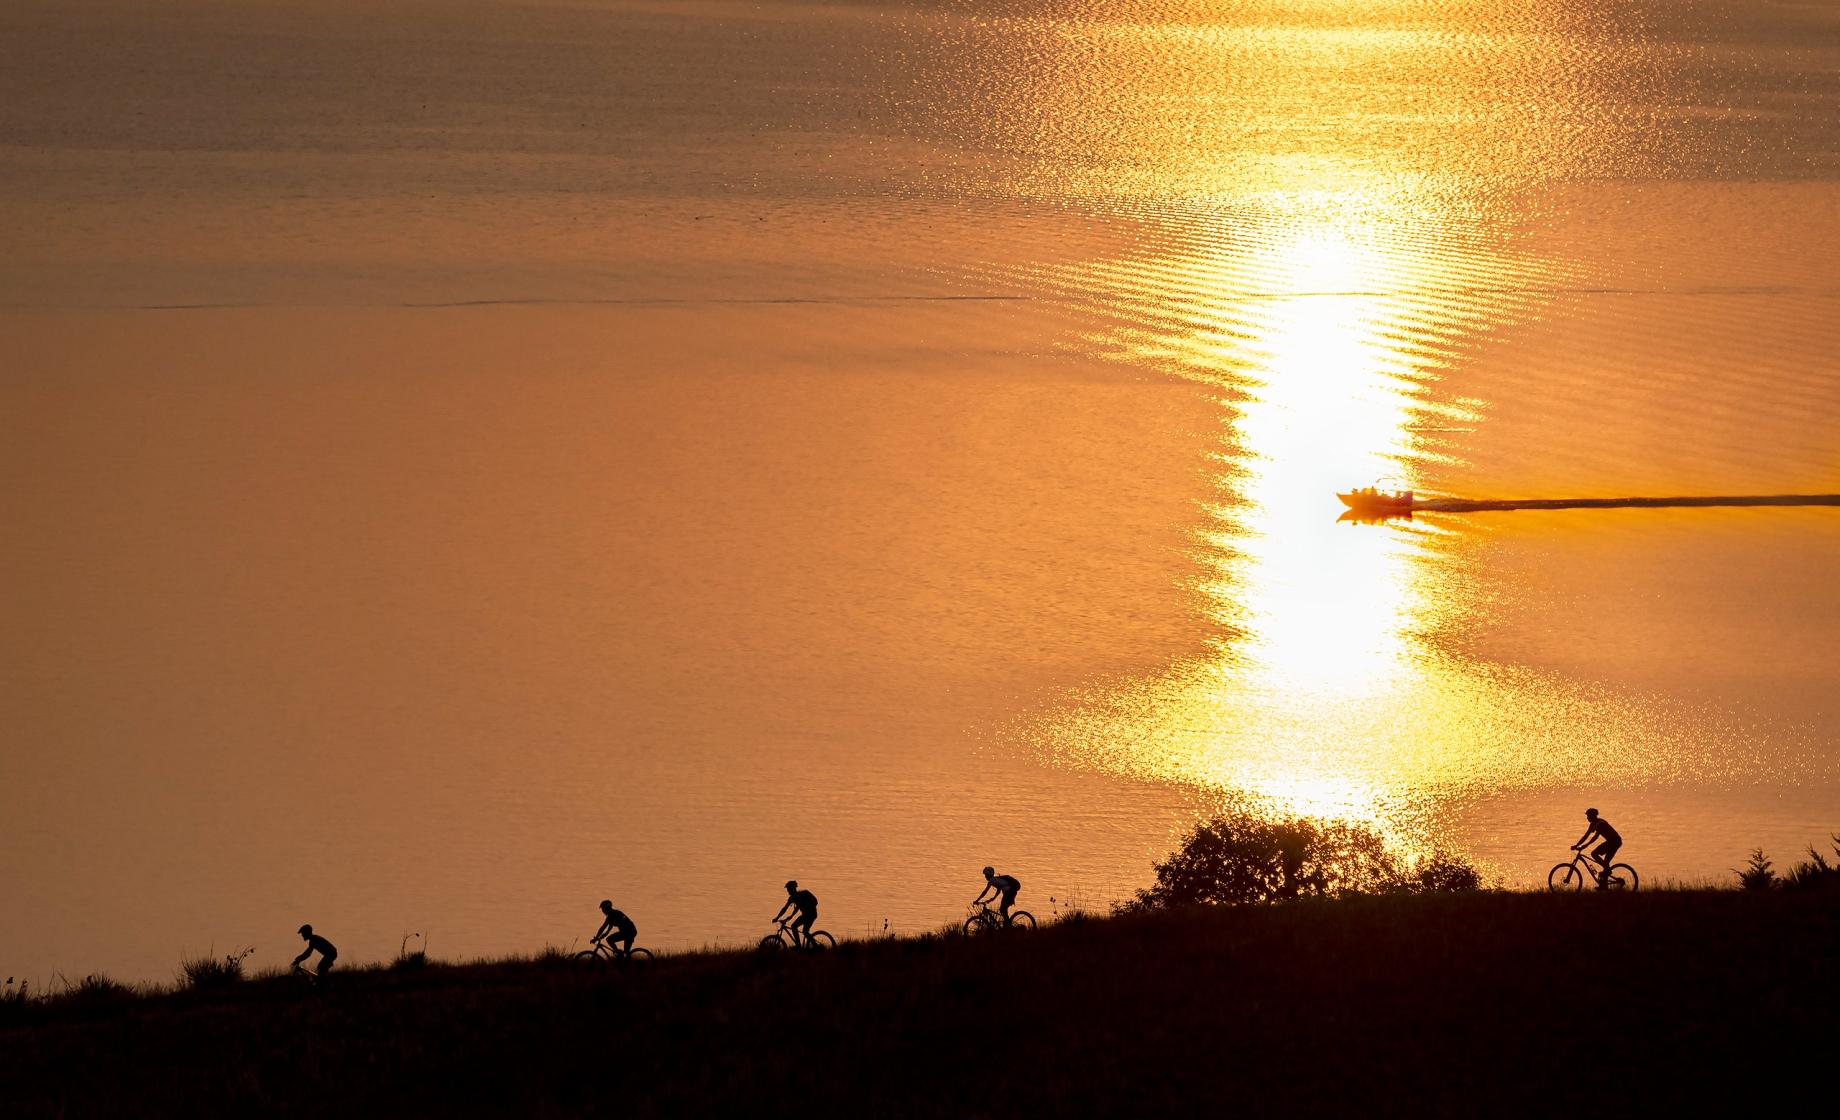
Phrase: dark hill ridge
(1459, 1004)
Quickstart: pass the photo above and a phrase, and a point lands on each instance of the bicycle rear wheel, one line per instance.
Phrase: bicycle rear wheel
(820, 941)
(1565, 877)
(1622, 877)
(1021, 919)
(639, 957)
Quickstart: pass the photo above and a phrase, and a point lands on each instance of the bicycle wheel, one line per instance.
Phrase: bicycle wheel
(638, 958)
(1021, 919)
(1565, 877)
(771, 943)
(1622, 878)
(976, 924)
(587, 958)
(820, 941)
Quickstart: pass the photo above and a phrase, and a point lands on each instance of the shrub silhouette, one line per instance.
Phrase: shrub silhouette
(1241, 857)
(1442, 871)
(1815, 871)
(1812, 873)
(1757, 874)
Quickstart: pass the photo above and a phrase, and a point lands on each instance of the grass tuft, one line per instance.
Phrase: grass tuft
(94, 989)
(553, 956)
(409, 960)
(15, 1003)
(211, 972)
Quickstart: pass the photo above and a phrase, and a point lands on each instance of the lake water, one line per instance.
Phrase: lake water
(462, 460)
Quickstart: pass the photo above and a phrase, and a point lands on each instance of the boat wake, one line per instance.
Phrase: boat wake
(1479, 505)
(1468, 505)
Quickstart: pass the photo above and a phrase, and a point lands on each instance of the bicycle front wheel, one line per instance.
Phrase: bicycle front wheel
(820, 941)
(1565, 877)
(976, 924)
(587, 958)
(771, 943)
(1021, 919)
(1622, 877)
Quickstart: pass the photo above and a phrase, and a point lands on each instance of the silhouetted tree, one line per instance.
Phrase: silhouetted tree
(1757, 874)
(1242, 857)
(1442, 871)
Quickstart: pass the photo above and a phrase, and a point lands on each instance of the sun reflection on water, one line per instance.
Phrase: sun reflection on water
(1321, 407)
(1319, 212)
(1331, 690)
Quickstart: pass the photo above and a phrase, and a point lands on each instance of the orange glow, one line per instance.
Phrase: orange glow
(1330, 692)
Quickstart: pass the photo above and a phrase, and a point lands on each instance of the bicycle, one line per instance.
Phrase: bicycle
(1571, 877)
(985, 920)
(788, 938)
(603, 953)
(303, 977)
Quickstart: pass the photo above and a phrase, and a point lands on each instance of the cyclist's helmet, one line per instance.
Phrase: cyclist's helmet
(1591, 813)
(606, 904)
(989, 871)
(792, 885)
(306, 931)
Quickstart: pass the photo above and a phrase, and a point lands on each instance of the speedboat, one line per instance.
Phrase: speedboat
(1373, 500)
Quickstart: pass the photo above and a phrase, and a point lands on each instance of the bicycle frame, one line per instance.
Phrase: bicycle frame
(1579, 855)
(985, 912)
(605, 948)
(984, 917)
(793, 939)
(1584, 865)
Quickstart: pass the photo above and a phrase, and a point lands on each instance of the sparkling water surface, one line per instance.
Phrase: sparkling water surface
(468, 459)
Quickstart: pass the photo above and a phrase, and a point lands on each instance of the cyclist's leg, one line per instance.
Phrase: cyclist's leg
(325, 965)
(1609, 851)
(627, 936)
(802, 925)
(1602, 854)
(1009, 900)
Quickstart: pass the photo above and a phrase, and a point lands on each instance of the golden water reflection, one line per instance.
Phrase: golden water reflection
(1332, 688)
(1325, 400)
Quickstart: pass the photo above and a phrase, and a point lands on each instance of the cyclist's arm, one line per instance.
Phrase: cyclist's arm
(304, 954)
(988, 889)
(602, 932)
(1585, 839)
(782, 910)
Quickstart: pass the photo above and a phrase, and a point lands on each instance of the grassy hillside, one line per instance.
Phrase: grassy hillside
(1523, 1004)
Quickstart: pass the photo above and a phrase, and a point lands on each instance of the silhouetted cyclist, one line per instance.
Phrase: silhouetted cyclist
(805, 903)
(999, 886)
(617, 927)
(1611, 841)
(317, 944)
